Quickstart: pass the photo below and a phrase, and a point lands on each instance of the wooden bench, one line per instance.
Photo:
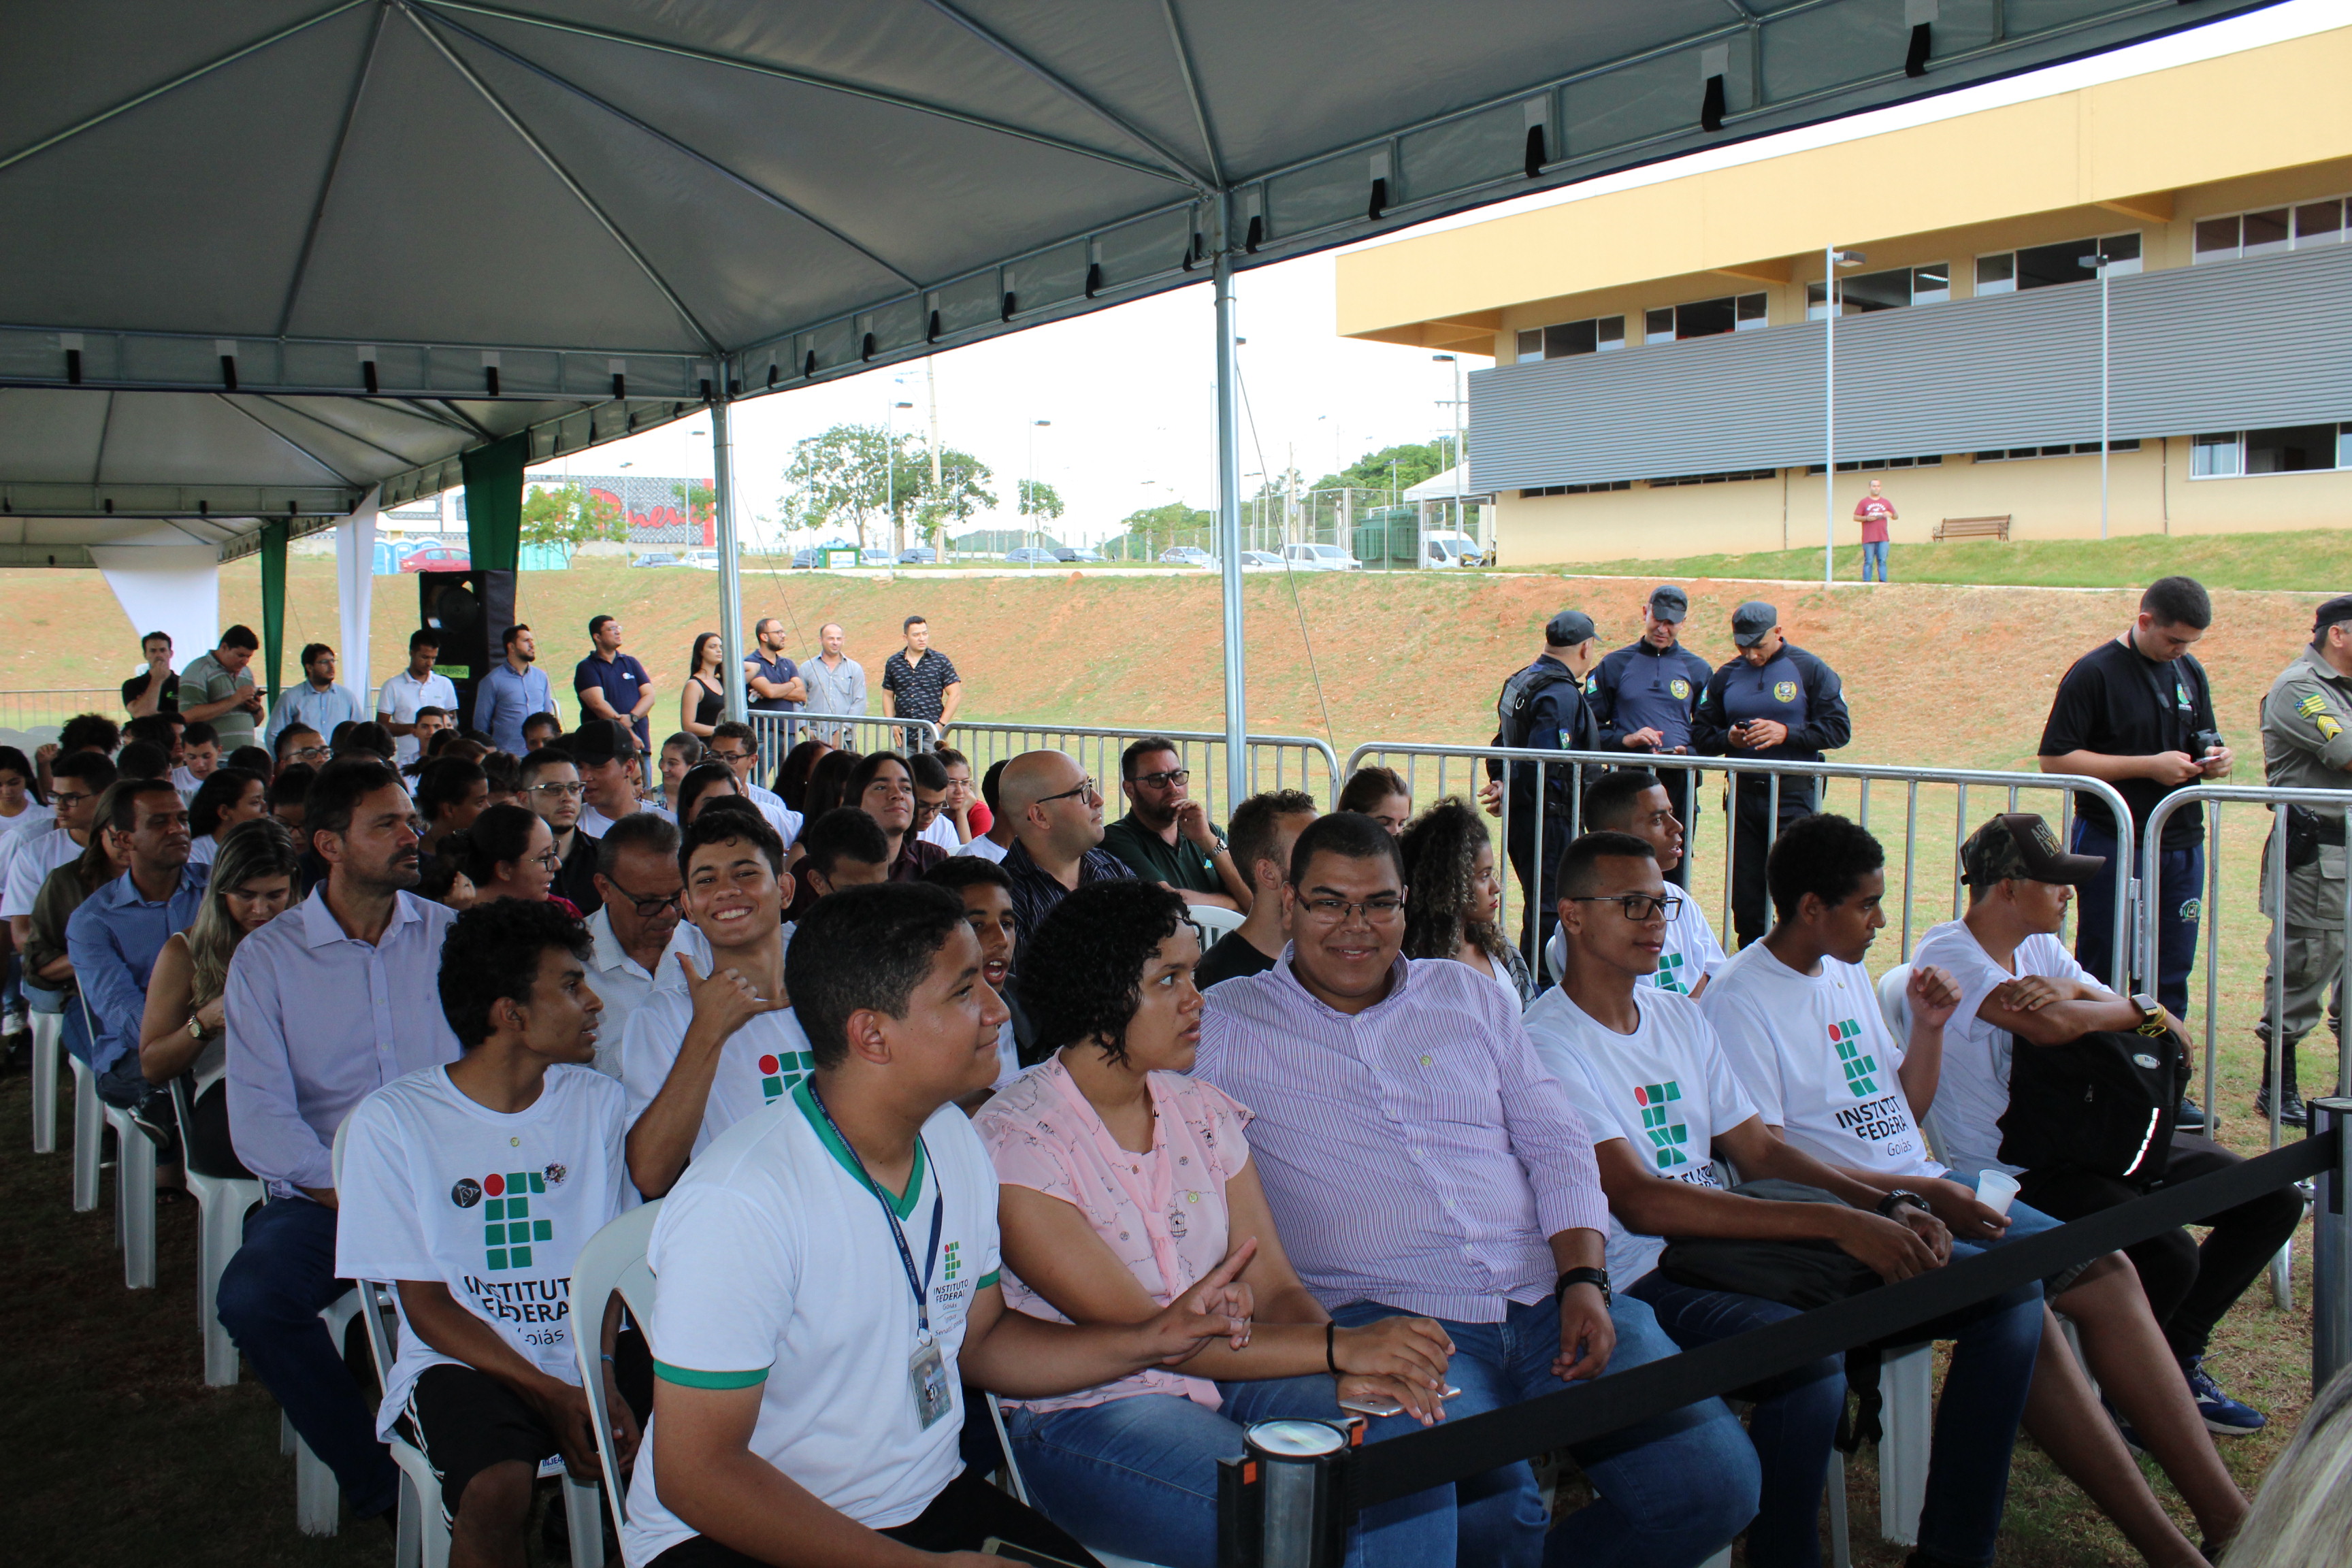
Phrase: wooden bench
(1973, 528)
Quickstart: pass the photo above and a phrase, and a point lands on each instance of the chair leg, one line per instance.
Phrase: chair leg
(1909, 1381)
(89, 1135)
(135, 1202)
(285, 1438)
(48, 1047)
(318, 1501)
(1841, 1544)
(220, 1230)
(408, 1536)
(583, 1511)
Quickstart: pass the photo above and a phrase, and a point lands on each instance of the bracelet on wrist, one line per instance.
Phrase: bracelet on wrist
(1331, 1348)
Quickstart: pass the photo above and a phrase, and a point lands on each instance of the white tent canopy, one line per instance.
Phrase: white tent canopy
(1440, 486)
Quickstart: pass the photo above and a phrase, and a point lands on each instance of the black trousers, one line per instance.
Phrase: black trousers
(1540, 891)
(1682, 788)
(2189, 1286)
(966, 1513)
(1751, 897)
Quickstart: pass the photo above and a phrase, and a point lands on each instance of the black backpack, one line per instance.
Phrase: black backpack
(2102, 1103)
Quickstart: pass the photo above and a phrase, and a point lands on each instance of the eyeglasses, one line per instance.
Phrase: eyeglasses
(1331, 912)
(304, 755)
(647, 908)
(1087, 787)
(66, 797)
(927, 810)
(732, 758)
(1639, 906)
(1162, 780)
(559, 791)
(548, 859)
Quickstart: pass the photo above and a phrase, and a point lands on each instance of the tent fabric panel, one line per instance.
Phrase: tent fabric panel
(198, 438)
(53, 437)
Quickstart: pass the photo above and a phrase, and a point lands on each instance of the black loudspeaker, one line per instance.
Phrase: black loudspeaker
(471, 610)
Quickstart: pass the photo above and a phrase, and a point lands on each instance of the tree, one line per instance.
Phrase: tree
(1373, 471)
(840, 479)
(1155, 529)
(1037, 499)
(696, 500)
(963, 492)
(571, 515)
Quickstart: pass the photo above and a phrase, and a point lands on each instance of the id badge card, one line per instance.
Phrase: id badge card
(927, 1375)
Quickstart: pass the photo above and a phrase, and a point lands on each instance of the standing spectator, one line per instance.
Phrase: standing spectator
(200, 754)
(219, 689)
(1644, 696)
(407, 697)
(154, 689)
(326, 1004)
(641, 893)
(738, 745)
(702, 703)
(2137, 712)
(1543, 708)
(551, 788)
(606, 755)
(511, 692)
(1874, 511)
(773, 681)
(2307, 744)
(1778, 702)
(920, 682)
(1056, 813)
(611, 684)
(319, 701)
(1166, 835)
(114, 936)
(1265, 828)
(836, 684)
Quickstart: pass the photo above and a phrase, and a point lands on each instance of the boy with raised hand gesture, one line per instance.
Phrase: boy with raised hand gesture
(698, 1059)
(830, 1281)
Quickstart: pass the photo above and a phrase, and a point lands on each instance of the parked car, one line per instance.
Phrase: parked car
(1073, 553)
(1259, 560)
(918, 555)
(1187, 555)
(878, 557)
(1319, 558)
(705, 559)
(1449, 549)
(656, 558)
(1031, 555)
(806, 560)
(437, 558)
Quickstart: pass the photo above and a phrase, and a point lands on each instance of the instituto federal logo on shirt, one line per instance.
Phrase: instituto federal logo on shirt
(1669, 974)
(779, 1070)
(952, 1261)
(1668, 1132)
(1861, 1067)
(508, 1227)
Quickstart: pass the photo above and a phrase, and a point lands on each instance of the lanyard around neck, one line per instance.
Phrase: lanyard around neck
(919, 1284)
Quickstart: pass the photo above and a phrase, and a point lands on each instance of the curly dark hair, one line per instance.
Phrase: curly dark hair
(492, 952)
(1081, 974)
(1440, 847)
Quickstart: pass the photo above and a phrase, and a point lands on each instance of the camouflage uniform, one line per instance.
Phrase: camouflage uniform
(2307, 744)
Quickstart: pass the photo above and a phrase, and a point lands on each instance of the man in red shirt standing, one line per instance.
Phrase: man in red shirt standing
(1874, 511)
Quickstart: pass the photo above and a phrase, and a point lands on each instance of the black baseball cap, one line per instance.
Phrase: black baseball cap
(1668, 602)
(1569, 629)
(1752, 622)
(2021, 844)
(601, 741)
(2335, 610)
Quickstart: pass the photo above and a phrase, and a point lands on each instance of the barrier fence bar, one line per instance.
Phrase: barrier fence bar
(2331, 1250)
(1475, 765)
(1269, 762)
(780, 733)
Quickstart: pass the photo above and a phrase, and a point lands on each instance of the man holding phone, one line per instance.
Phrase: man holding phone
(2137, 712)
(1778, 702)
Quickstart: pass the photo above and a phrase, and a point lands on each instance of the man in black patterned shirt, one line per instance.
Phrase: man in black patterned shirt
(920, 682)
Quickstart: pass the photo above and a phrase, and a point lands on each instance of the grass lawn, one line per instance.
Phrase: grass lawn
(2298, 561)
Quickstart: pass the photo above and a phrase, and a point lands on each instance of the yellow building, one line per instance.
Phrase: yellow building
(1658, 384)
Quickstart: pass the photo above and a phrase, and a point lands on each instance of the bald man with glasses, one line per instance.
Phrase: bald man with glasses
(1057, 833)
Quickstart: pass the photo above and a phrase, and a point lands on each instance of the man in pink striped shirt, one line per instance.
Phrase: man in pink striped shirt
(1419, 1159)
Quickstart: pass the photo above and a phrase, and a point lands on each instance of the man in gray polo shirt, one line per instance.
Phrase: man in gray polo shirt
(836, 683)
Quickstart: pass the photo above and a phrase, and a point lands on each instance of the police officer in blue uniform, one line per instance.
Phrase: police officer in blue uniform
(1542, 707)
(1643, 697)
(1779, 703)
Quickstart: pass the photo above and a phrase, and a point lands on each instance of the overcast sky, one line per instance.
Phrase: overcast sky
(1130, 391)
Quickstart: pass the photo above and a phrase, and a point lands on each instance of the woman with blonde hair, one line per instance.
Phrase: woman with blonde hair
(1454, 897)
(184, 1030)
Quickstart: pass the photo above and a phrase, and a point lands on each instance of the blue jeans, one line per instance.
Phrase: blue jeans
(1874, 551)
(1673, 1492)
(2177, 907)
(1139, 1476)
(271, 1297)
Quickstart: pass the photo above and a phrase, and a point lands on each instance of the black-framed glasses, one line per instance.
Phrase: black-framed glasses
(1638, 906)
(548, 861)
(1331, 912)
(304, 755)
(649, 907)
(732, 758)
(1163, 779)
(559, 791)
(1087, 787)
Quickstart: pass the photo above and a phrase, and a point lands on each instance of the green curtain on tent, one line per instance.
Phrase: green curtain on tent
(273, 600)
(494, 501)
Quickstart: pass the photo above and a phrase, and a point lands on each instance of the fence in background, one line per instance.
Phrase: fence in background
(1272, 762)
(48, 709)
(780, 733)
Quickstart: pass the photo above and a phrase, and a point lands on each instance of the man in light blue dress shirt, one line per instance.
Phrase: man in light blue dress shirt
(114, 937)
(511, 691)
(318, 703)
(326, 1004)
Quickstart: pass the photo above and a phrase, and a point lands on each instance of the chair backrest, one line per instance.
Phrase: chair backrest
(613, 1261)
(1215, 922)
(1894, 1003)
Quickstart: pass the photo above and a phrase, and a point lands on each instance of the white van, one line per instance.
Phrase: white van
(1448, 548)
(1319, 558)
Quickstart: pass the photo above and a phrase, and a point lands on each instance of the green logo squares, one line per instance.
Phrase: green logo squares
(1666, 1136)
(772, 1088)
(954, 1261)
(1860, 1070)
(526, 1182)
(494, 1208)
(497, 1257)
(543, 1230)
(495, 1234)
(508, 1227)
(1669, 977)
(520, 1255)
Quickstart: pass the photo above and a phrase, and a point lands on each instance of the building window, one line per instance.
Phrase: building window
(1703, 318)
(2271, 229)
(1599, 334)
(1715, 479)
(2288, 449)
(2045, 266)
(1576, 490)
(2078, 449)
(1890, 291)
(1864, 465)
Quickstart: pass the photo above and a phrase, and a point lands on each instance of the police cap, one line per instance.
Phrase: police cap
(1669, 603)
(1752, 622)
(2335, 610)
(1569, 629)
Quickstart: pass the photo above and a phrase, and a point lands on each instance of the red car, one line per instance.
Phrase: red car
(437, 558)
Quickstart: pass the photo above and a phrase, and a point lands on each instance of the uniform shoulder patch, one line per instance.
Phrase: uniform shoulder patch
(2312, 706)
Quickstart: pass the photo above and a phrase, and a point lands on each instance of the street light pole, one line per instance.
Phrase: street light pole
(1456, 363)
(1831, 260)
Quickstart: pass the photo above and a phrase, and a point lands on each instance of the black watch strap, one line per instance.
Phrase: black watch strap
(1898, 1198)
(1596, 1277)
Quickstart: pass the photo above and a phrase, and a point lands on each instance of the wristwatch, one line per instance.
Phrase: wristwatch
(2151, 1020)
(1898, 1198)
(1219, 848)
(1596, 1277)
(195, 1028)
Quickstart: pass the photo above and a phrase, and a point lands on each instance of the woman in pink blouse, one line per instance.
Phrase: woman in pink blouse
(1125, 1182)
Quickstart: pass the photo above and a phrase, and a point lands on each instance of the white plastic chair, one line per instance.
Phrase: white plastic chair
(89, 1133)
(1008, 1480)
(613, 1261)
(49, 1045)
(134, 1176)
(317, 1496)
(1215, 922)
(222, 1203)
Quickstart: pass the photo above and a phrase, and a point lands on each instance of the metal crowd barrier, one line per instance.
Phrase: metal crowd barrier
(1463, 770)
(780, 733)
(1272, 762)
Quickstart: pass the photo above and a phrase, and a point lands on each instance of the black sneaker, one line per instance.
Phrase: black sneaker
(2191, 1117)
(2292, 1112)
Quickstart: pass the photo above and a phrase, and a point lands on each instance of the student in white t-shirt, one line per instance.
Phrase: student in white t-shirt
(1799, 1021)
(987, 895)
(1651, 1079)
(1632, 800)
(829, 1280)
(472, 1187)
(698, 1059)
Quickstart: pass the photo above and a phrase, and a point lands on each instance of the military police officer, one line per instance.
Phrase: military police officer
(1778, 702)
(1543, 708)
(1644, 695)
(2307, 744)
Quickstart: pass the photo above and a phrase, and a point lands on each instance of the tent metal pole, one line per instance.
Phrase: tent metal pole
(1229, 534)
(730, 563)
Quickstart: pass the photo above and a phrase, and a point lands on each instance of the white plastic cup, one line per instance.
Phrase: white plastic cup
(1997, 1190)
